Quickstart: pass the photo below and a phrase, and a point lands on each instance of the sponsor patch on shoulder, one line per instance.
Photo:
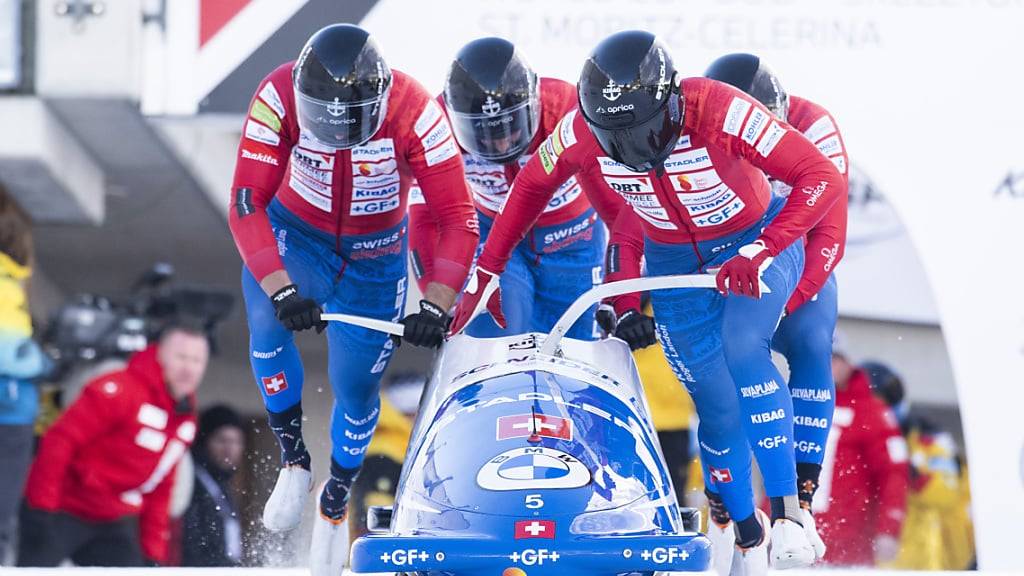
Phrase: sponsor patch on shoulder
(822, 127)
(264, 114)
(734, 117)
(771, 138)
(565, 131)
(431, 112)
(270, 96)
(260, 133)
(548, 158)
(442, 152)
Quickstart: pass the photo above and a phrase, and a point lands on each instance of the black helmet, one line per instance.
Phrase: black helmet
(748, 73)
(341, 86)
(630, 99)
(885, 383)
(492, 98)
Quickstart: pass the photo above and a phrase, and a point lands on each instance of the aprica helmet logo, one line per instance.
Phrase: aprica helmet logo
(491, 106)
(612, 91)
(336, 108)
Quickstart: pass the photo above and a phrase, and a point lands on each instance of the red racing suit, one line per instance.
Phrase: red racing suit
(355, 191)
(713, 183)
(864, 476)
(825, 243)
(490, 184)
(113, 453)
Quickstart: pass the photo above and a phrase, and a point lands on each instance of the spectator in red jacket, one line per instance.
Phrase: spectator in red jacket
(99, 489)
(861, 499)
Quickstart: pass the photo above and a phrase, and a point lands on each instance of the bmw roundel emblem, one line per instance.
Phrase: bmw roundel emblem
(532, 468)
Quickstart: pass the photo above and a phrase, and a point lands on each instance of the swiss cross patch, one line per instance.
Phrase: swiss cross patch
(522, 425)
(720, 475)
(535, 529)
(275, 384)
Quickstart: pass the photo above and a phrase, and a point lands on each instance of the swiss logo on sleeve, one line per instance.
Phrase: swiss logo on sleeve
(275, 384)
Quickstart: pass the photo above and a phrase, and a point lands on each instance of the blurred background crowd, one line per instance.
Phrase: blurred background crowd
(115, 254)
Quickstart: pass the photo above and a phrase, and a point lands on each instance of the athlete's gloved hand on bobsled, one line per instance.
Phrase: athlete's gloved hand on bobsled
(741, 274)
(472, 298)
(621, 317)
(425, 328)
(295, 312)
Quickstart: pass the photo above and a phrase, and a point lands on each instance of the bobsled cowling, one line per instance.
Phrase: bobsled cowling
(530, 463)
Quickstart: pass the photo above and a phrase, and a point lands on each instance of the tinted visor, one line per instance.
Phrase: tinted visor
(499, 137)
(642, 145)
(340, 124)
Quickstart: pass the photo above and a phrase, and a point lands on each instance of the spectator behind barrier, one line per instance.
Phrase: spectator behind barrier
(21, 361)
(861, 499)
(212, 534)
(99, 488)
(938, 533)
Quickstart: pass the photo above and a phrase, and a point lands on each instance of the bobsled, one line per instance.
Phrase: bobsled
(533, 455)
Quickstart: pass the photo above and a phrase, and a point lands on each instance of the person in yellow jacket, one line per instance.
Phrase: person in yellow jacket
(378, 480)
(937, 533)
(21, 362)
(671, 412)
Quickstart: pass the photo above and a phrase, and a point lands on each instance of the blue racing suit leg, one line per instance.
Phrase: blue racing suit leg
(805, 339)
(568, 260)
(748, 325)
(517, 293)
(272, 352)
(700, 332)
(373, 284)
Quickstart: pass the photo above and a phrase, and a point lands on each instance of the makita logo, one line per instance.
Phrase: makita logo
(566, 232)
(811, 394)
(831, 254)
(259, 157)
(766, 417)
(377, 242)
(758, 390)
(814, 193)
(810, 422)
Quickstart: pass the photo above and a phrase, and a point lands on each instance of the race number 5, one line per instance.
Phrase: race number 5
(534, 501)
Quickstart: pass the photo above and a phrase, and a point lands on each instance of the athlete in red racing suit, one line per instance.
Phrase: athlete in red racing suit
(563, 253)
(707, 205)
(318, 212)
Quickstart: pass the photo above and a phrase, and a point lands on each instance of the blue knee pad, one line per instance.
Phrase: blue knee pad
(805, 339)
(748, 325)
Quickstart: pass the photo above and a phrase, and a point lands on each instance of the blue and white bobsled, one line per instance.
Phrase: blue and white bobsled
(529, 462)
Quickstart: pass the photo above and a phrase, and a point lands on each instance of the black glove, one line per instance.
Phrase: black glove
(605, 317)
(636, 329)
(295, 312)
(426, 327)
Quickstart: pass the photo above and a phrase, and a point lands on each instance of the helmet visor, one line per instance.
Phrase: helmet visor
(642, 146)
(499, 136)
(337, 124)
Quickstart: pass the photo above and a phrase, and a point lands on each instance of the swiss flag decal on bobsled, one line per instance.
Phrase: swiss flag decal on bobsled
(523, 425)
